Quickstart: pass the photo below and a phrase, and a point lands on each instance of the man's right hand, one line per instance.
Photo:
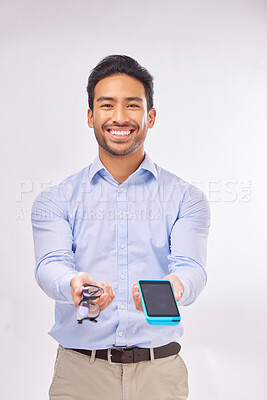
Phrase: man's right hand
(82, 278)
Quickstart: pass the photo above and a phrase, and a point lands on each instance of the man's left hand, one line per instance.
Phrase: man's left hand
(177, 285)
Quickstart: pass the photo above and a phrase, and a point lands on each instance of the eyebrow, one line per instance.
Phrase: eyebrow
(104, 98)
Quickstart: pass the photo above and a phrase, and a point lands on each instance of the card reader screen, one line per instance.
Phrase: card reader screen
(159, 299)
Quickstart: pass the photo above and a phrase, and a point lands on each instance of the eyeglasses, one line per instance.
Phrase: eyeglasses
(87, 308)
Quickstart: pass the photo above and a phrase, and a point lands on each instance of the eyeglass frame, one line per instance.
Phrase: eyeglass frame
(87, 297)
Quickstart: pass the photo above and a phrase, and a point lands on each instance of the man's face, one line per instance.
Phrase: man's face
(120, 119)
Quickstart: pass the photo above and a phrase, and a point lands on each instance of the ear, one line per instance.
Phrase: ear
(90, 118)
(151, 117)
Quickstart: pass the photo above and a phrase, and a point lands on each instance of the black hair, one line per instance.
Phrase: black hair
(120, 64)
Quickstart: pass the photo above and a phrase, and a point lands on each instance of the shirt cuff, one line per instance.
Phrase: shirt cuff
(64, 286)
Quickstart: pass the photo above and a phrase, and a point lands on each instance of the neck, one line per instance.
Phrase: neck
(121, 167)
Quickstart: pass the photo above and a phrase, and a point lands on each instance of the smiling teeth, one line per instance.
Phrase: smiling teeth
(120, 133)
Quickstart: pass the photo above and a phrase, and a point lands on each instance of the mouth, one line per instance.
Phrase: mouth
(120, 133)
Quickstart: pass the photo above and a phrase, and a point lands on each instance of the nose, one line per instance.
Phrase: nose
(120, 115)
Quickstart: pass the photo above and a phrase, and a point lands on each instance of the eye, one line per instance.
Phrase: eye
(133, 105)
(106, 105)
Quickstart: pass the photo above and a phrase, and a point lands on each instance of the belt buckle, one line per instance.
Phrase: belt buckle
(109, 353)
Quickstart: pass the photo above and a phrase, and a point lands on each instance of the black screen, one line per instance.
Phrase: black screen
(159, 299)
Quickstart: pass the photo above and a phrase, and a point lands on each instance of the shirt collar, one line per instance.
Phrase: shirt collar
(146, 164)
(96, 166)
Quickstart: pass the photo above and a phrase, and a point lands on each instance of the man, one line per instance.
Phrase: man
(120, 219)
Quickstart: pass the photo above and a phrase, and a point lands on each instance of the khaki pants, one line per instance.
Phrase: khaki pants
(79, 377)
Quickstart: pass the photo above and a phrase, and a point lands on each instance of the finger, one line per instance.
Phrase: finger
(78, 290)
(106, 298)
(102, 299)
(77, 296)
(108, 289)
(135, 288)
(180, 293)
(112, 293)
(104, 302)
(137, 301)
(178, 290)
(137, 297)
(85, 279)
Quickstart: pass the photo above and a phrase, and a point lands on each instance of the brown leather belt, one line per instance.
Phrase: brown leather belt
(127, 355)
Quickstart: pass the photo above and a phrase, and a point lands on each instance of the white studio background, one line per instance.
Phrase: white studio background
(209, 62)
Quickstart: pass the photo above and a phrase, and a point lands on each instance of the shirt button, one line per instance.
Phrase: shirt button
(120, 333)
(122, 307)
(121, 216)
(121, 188)
(122, 246)
(122, 276)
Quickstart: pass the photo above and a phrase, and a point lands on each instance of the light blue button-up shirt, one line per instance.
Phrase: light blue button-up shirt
(151, 225)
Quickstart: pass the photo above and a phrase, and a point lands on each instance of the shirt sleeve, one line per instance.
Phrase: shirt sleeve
(53, 240)
(188, 241)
